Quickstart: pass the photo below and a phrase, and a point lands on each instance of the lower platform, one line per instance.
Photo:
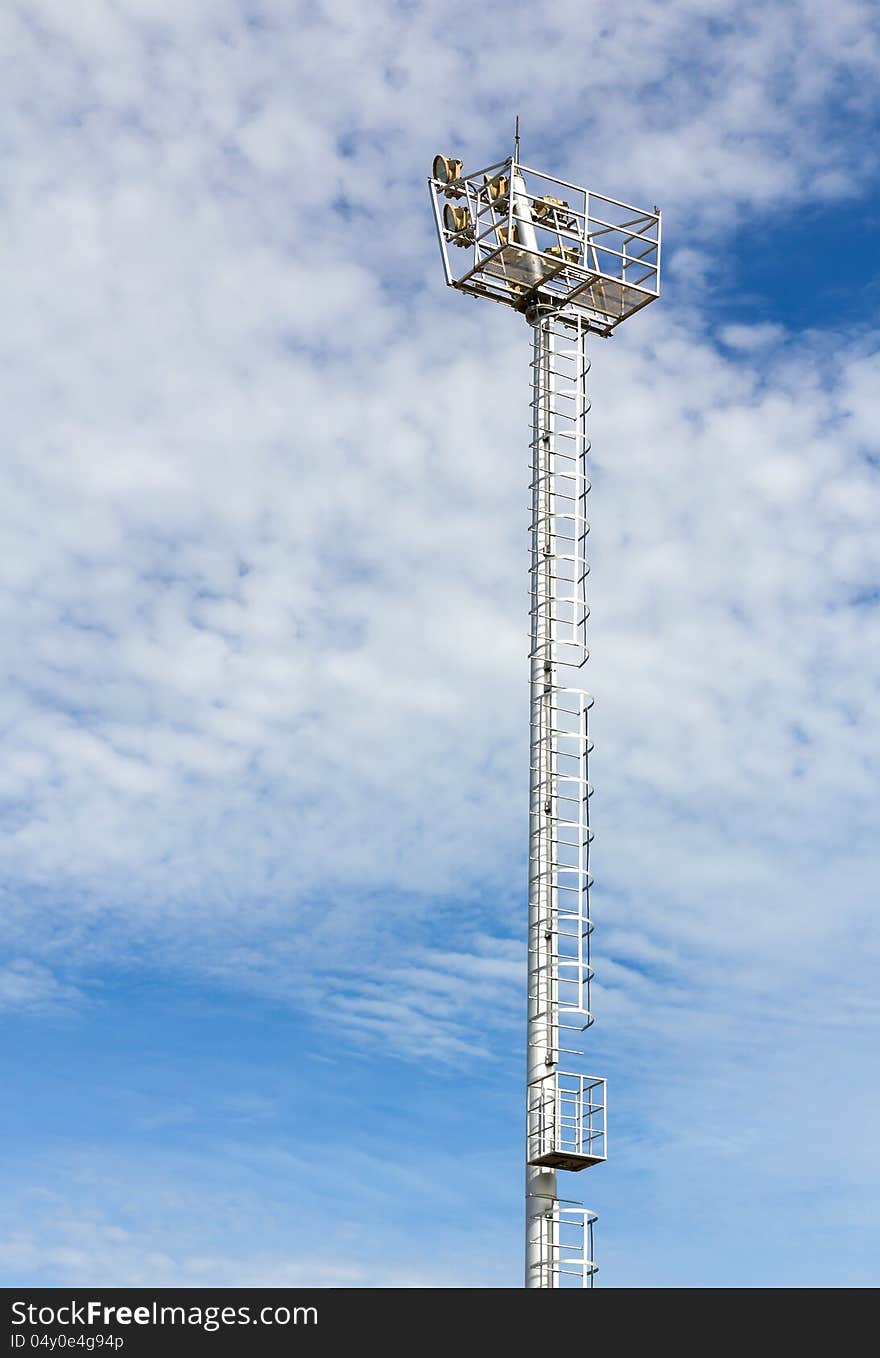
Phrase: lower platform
(566, 1121)
(566, 1160)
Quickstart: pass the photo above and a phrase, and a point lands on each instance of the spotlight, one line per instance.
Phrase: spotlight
(446, 169)
(498, 189)
(553, 210)
(456, 221)
(570, 253)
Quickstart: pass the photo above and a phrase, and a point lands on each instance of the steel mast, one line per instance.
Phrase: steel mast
(570, 262)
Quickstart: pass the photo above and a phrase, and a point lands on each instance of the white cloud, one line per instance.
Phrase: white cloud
(28, 985)
(241, 1214)
(264, 609)
(749, 338)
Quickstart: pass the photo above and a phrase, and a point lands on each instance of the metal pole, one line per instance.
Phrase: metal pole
(565, 291)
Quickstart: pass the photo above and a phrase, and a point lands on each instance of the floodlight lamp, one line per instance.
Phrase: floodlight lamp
(552, 210)
(570, 253)
(456, 223)
(446, 169)
(498, 189)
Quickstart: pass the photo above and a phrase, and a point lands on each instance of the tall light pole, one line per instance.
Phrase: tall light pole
(571, 262)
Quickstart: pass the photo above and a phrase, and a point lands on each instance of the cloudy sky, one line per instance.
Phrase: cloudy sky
(263, 593)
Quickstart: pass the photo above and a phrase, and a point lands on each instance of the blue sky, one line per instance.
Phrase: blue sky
(264, 604)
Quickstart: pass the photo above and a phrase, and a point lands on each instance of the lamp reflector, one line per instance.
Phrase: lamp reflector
(456, 219)
(446, 169)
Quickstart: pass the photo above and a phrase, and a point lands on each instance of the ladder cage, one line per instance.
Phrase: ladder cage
(561, 1240)
(559, 960)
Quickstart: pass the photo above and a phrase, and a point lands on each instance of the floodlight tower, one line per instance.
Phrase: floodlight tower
(571, 262)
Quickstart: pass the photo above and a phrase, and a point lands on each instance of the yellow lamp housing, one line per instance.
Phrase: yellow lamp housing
(498, 189)
(543, 207)
(570, 253)
(552, 211)
(446, 170)
(457, 224)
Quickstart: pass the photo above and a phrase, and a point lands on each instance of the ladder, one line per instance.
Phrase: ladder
(565, 1107)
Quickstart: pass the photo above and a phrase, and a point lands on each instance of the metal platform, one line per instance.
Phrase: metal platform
(561, 1160)
(566, 1121)
(524, 238)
